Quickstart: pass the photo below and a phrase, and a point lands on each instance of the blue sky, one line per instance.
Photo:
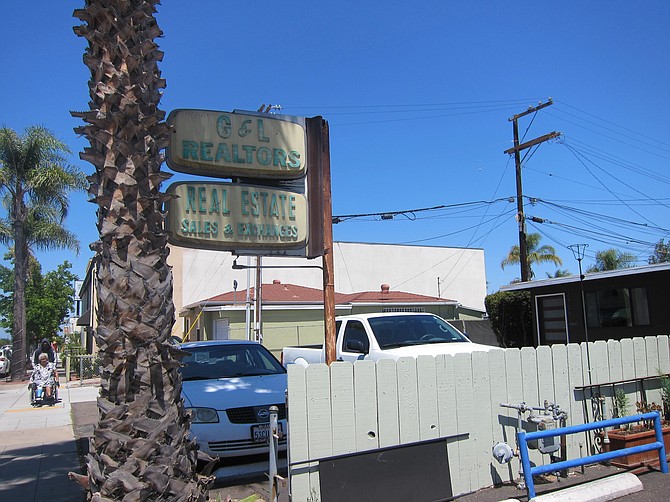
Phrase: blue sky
(418, 96)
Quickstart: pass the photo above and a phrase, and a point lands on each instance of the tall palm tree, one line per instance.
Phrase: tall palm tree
(143, 425)
(35, 181)
(536, 254)
(612, 259)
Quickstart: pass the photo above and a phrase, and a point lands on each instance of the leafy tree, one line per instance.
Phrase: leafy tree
(510, 314)
(49, 300)
(7, 286)
(35, 181)
(536, 254)
(612, 259)
(661, 253)
(143, 424)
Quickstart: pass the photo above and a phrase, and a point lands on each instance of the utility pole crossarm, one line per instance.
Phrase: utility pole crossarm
(516, 149)
(533, 142)
(531, 109)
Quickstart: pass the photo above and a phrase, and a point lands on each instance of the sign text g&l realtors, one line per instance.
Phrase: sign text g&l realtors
(231, 144)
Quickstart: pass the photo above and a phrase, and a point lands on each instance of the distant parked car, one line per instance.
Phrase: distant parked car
(5, 361)
(229, 387)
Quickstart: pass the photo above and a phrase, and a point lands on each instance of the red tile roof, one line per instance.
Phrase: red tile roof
(277, 293)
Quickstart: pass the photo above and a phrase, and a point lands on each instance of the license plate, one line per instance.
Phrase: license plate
(261, 433)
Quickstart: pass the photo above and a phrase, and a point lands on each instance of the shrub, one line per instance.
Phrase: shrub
(665, 395)
(511, 317)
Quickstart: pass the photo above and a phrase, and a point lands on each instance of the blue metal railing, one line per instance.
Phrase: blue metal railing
(523, 437)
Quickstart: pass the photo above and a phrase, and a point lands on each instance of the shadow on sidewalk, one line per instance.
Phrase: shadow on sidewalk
(36, 473)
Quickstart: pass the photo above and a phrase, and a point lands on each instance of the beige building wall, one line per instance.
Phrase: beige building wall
(200, 274)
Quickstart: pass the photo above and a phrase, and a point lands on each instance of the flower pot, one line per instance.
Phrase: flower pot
(620, 439)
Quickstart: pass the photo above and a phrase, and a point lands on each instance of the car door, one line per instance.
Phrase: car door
(355, 341)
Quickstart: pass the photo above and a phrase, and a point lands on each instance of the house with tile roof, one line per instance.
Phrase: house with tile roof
(434, 271)
(419, 277)
(293, 315)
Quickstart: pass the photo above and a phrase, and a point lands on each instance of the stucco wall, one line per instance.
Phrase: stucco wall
(200, 274)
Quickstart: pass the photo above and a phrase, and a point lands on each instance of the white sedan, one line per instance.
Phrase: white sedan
(229, 387)
(5, 361)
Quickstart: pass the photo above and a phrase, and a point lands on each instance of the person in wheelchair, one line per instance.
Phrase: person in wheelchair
(44, 379)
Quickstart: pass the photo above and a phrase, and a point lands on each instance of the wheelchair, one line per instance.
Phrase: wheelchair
(38, 395)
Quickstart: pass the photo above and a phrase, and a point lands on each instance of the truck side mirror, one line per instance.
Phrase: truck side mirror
(355, 346)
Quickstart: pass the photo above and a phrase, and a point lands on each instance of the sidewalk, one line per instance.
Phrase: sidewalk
(38, 446)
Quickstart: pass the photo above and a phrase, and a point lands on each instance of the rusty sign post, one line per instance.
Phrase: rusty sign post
(288, 213)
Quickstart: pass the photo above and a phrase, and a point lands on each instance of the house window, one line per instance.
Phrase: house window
(404, 309)
(622, 307)
(551, 322)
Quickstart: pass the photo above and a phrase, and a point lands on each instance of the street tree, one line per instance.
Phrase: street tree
(661, 253)
(35, 183)
(140, 449)
(49, 300)
(537, 254)
(612, 259)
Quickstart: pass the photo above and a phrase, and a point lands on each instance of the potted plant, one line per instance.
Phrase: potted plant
(665, 395)
(636, 434)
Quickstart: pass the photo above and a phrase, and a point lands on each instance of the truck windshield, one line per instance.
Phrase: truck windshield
(401, 330)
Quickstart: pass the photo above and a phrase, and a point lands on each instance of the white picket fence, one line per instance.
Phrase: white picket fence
(348, 408)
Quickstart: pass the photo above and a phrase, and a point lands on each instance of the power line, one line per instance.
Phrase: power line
(455, 232)
(416, 105)
(632, 131)
(389, 215)
(604, 217)
(618, 140)
(587, 149)
(604, 238)
(422, 117)
(576, 154)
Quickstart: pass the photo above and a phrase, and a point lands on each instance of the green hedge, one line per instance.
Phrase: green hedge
(510, 315)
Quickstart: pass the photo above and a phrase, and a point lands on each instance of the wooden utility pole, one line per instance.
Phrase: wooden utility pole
(523, 247)
(321, 221)
(328, 262)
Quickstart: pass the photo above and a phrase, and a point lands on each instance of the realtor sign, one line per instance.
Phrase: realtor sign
(231, 216)
(237, 144)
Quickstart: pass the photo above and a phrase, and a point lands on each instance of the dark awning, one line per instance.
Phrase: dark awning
(84, 319)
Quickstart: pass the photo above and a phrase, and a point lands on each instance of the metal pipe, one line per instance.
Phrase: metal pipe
(248, 301)
(274, 448)
(523, 437)
(612, 422)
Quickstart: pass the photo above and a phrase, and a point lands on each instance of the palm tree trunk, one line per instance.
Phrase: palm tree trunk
(20, 338)
(141, 449)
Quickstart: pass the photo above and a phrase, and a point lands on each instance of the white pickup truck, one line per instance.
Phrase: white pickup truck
(387, 336)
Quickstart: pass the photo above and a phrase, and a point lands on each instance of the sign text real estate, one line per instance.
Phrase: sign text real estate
(226, 216)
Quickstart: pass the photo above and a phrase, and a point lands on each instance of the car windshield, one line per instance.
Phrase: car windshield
(399, 331)
(210, 362)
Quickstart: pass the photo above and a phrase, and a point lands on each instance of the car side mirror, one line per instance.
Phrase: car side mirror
(355, 346)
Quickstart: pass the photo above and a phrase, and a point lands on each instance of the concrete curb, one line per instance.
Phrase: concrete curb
(609, 488)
